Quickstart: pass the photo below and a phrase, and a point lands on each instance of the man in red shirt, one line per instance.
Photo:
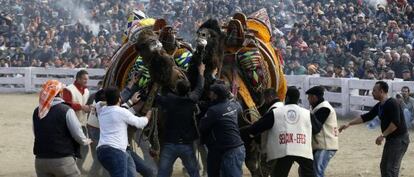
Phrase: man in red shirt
(76, 95)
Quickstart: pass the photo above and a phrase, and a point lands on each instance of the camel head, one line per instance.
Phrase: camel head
(209, 45)
(167, 37)
(147, 45)
(159, 63)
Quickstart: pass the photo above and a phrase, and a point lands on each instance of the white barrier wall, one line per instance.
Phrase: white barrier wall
(350, 98)
(29, 79)
(344, 93)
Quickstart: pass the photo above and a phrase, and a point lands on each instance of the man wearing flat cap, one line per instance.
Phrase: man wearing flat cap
(325, 139)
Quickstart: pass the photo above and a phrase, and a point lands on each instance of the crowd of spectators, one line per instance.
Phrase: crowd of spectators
(346, 39)
(60, 33)
(371, 39)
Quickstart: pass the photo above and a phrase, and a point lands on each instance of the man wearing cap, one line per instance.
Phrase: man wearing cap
(58, 134)
(325, 139)
(76, 95)
(289, 131)
(220, 132)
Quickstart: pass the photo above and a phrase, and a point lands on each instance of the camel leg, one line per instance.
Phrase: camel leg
(251, 160)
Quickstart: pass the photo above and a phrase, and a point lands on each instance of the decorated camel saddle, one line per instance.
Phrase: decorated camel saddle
(153, 54)
(250, 59)
(127, 62)
(243, 56)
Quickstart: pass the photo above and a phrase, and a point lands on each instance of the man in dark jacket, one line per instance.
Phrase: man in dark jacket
(179, 126)
(58, 134)
(220, 132)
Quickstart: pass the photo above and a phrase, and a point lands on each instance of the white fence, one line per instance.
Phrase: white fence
(30, 79)
(353, 95)
(346, 96)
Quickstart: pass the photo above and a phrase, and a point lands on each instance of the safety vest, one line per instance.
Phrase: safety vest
(265, 134)
(275, 105)
(77, 97)
(327, 138)
(291, 134)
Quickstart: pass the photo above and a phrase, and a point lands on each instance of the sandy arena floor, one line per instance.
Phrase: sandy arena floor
(358, 154)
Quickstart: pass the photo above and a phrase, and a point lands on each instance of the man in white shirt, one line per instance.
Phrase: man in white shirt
(113, 140)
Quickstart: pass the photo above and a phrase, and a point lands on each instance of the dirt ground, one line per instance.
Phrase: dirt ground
(358, 155)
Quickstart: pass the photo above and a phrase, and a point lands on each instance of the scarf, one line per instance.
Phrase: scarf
(49, 90)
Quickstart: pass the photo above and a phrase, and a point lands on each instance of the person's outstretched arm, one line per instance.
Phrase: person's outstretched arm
(198, 90)
(263, 124)
(363, 118)
(355, 121)
(139, 122)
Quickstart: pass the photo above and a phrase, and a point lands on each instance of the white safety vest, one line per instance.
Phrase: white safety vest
(264, 134)
(327, 138)
(77, 97)
(291, 134)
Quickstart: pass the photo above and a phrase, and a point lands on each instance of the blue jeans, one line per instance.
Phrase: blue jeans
(137, 164)
(145, 146)
(131, 168)
(320, 161)
(96, 168)
(115, 161)
(232, 162)
(170, 152)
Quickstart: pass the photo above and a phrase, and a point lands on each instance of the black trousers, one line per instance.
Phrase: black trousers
(281, 166)
(392, 155)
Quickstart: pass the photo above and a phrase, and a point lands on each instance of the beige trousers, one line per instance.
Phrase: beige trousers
(60, 167)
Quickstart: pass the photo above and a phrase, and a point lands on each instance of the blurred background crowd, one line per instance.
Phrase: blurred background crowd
(370, 39)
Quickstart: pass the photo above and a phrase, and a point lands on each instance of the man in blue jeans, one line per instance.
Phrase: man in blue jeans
(137, 164)
(325, 136)
(220, 132)
(113, 142)
(179, 126)
(93, 132)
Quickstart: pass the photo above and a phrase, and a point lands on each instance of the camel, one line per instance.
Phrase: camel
(242, 55)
